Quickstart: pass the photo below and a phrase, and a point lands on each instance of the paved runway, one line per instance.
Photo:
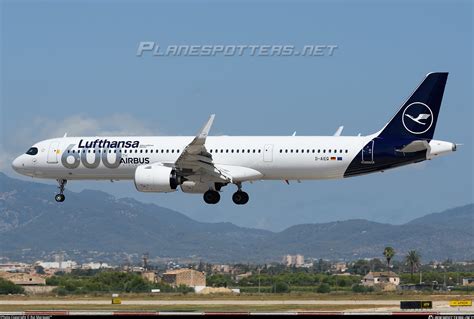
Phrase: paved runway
(379, 305)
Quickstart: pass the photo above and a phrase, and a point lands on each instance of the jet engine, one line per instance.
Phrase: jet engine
(156, 178)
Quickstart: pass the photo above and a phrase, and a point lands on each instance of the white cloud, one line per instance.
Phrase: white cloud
(80, 125)
(6, 159)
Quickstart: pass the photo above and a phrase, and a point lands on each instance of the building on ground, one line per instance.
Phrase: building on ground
(95, 265)
(339, 267)
(150, 276)
(293, 260)
(468, 281)
(65, 266)
(239, 277)
(15, 267)
(383, 278)
(226, 269)
(23, 279)
(187, 277)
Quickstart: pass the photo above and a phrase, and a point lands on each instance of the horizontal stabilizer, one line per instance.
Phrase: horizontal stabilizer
(415, 146)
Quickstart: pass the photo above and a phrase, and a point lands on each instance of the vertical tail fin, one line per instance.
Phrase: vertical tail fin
(417, 117)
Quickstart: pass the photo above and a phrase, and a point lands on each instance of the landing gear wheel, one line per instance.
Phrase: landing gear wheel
(60, 197)
(211, 197)
(240, 197)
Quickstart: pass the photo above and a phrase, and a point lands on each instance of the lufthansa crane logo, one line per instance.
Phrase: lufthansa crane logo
(417, 118)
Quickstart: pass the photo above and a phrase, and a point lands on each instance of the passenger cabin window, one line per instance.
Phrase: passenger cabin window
(32, 151)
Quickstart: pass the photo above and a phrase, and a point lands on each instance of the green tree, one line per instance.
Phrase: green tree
(413, 258)
(376, 264)
(219, 280)
(281, 287)
(7, 287)
(388, 252)
(323, 288)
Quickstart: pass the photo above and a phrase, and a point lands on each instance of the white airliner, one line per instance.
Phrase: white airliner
(204, 164)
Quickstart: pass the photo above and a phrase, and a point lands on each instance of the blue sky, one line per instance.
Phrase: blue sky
(72, 67)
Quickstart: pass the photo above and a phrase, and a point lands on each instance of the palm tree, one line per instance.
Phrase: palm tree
(388, 252)
(413, 259)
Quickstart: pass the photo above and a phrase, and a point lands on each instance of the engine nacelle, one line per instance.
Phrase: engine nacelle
(156, 178)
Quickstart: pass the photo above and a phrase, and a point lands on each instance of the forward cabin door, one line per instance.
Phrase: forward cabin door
(53, 153)
(268, 153)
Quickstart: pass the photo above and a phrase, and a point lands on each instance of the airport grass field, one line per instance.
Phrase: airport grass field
(380, 302)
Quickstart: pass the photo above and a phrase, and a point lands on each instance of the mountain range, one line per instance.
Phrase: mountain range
(33, 225)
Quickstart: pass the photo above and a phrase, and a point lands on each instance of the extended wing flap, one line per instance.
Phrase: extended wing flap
(196, 160)
(239, 173)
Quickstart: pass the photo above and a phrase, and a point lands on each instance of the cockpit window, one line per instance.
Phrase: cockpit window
(32, 151)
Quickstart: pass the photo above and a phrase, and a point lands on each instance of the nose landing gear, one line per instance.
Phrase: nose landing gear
(60, 197)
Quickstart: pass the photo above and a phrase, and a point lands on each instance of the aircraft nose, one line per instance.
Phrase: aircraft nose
(17, 164)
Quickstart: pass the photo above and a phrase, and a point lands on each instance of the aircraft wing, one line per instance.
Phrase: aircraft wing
(196, 160)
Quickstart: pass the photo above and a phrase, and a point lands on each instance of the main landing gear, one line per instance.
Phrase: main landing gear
(60, 197)
(212, 197)
(239, 197)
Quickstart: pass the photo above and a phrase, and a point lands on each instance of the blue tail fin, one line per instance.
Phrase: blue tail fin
(417, 117)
